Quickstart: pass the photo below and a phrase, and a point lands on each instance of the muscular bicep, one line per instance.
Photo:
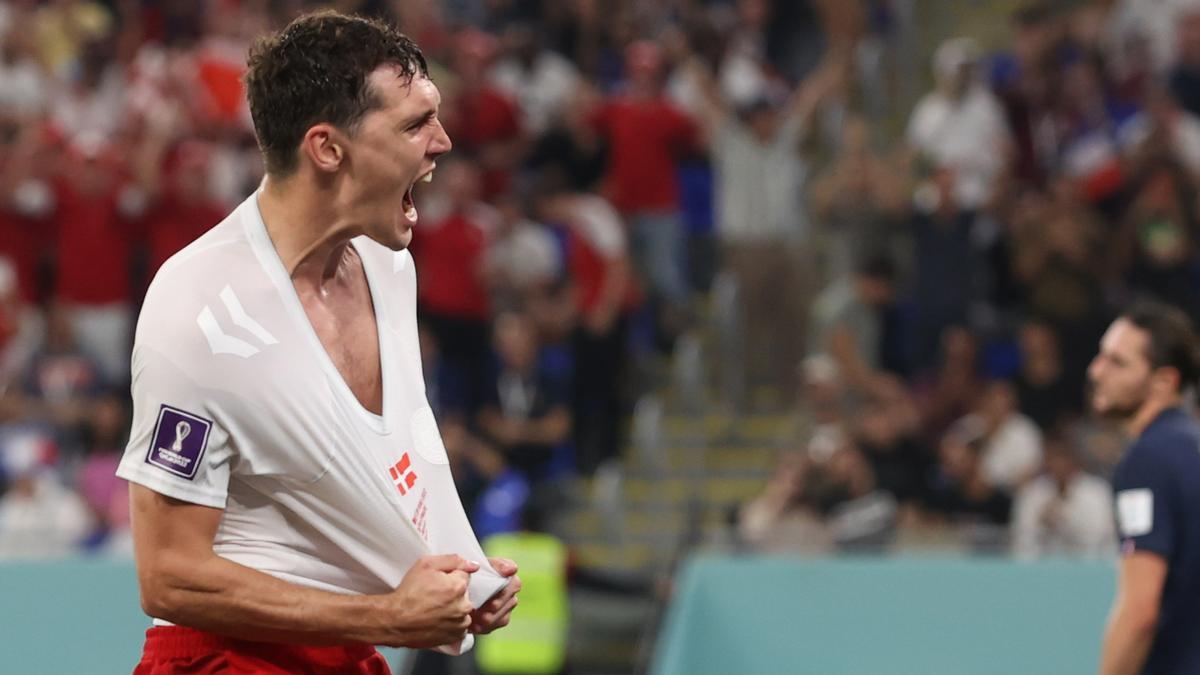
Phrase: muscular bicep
(169, 536)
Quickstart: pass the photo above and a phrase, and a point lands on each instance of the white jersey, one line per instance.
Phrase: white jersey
(238, 406)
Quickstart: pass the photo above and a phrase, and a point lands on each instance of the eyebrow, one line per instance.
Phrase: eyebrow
(418, 119)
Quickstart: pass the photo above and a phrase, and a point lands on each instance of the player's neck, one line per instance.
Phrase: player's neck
(1150, 410)
(298, 220)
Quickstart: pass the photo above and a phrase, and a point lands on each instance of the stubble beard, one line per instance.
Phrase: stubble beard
(1123, 411)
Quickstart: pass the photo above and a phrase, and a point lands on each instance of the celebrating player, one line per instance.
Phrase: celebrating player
(289, 481)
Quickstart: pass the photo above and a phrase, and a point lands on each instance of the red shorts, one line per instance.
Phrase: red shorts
(175, 650)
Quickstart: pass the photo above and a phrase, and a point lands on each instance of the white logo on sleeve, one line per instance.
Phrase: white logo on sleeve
(1135, 512)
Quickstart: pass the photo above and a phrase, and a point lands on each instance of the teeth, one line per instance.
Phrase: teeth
(411, 213)
(427, 178)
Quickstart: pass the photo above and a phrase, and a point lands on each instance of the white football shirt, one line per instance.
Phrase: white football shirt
(238, 406)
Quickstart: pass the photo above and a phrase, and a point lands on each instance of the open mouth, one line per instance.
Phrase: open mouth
(410, 206)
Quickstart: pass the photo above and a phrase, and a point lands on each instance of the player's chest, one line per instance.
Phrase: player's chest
(348, 332)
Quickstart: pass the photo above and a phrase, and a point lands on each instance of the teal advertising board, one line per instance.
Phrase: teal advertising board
(893, 616)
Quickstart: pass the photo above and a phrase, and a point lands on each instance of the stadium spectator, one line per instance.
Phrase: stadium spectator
(861, 516)
(538, 79)
(527, 412)
(1023, 78)
(1057, 264)
(1184, 78)
(1064, 511)
(946, 278)
(39, 516)
(95, 211)
(1164, 132)
(1010, 443)
(858, 203)
(1158, 235)
(949, 392)
(23, 88)
(523, 260)
(959, 126)
(821, 424)
(181, 203)
(481, 118)
(1096, 127)
(603, 297)
(571, 151)
(762, 223)
(26, 203)
(20, 329)
(62, 378)
(494, 492)
(106, 495)
(782, 519)
(452, 254)
(887, 432)
(1046, 393)
(647, 136)
(63, 29)
(91, 106)
(846, 322)
(960, 493)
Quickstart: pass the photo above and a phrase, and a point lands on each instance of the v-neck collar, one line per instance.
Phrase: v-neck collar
(268, 257)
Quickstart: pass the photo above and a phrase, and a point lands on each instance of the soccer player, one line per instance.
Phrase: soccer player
(1148, 359)
(288, 480)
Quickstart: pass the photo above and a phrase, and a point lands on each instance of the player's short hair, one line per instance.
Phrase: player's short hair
(315, 70)
(1172, 340)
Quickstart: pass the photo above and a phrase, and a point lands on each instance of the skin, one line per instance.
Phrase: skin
(346, 185)
(1127, 388)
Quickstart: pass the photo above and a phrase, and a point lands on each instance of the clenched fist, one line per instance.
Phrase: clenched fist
(430, 607)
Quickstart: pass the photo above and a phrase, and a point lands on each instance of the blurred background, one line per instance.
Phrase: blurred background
(736, 281)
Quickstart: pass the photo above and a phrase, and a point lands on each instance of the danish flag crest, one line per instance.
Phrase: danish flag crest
(403, 475)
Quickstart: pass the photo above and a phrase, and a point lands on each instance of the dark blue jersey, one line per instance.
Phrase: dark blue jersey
(1157, 486)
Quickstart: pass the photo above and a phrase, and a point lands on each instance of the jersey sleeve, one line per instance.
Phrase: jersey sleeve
(1143, 495)
(176, 447)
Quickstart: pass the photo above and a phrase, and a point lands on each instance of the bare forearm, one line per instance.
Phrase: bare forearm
(183, 581)
(1126, 646)
(226, 598)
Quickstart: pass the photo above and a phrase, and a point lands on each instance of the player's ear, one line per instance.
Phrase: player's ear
(323, 146)
(1166, 380)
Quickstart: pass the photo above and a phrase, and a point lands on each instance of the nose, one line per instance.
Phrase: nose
(440, 144)
(1095, 369)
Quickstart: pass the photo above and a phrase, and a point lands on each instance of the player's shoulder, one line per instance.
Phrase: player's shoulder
(207, 259)
(221, 267)
(1174, 433)
(1169, 446)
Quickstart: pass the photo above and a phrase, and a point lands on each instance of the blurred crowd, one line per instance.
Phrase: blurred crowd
(970, 266)
(926, 300)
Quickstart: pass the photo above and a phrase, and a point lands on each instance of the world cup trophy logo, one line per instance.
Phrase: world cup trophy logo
(182, 429)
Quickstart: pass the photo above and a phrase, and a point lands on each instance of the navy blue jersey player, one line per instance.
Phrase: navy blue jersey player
(1148, 358)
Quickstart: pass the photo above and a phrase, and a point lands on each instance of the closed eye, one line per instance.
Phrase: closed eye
(421, 122)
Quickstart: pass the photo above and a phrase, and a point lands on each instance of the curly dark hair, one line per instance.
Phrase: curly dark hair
(315, 70)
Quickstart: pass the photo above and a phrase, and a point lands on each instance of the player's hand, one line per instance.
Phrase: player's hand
(430, 607)
(495, 613)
